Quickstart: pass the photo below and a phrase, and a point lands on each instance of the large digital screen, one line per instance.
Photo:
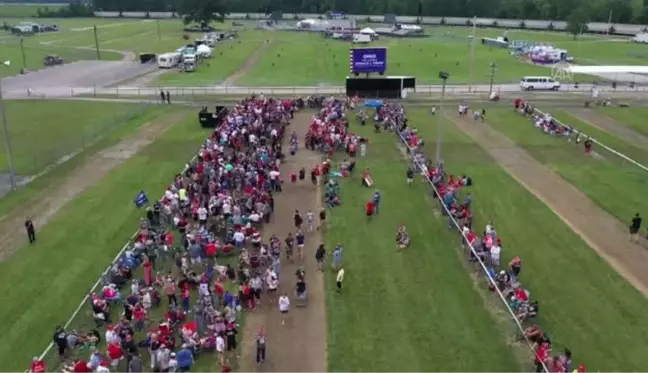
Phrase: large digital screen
(368, 60)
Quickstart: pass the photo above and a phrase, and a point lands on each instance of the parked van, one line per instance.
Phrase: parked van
(168, 60)
(529, 83)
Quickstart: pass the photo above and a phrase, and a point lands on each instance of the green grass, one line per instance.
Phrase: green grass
(404, 311)
(14, 200)
(44, 131)
(24, 10)
(633, 118)
(76, 246)
(598, 178)
(585, 305)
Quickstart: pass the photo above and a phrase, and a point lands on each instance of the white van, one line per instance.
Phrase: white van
(529, 83)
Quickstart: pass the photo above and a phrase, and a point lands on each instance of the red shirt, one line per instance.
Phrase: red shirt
(38, 366)
(370, 207)
(139, 313)
(81, 367)
(211, 249)
(115, 351)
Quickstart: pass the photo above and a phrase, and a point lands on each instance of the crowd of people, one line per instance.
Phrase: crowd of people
(485, 246)
(545, 123)
(198, 259)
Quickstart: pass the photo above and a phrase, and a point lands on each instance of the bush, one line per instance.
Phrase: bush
(494, 24)
(443, 21)
(522, 25)
(368, 19)
(320, 17)
(612, 30)
(418, 20)
(551, 26)
(296, 17)
(469, 22)
(645, 29)
(247, 16)
(148, 15)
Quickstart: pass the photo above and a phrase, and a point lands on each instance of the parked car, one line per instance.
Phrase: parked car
(52, 61)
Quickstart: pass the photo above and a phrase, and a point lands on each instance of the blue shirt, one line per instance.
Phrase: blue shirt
(300, 239)
(376, 197)
(185, 358)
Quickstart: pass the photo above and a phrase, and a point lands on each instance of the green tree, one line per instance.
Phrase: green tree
(577, 22)
(202, 11)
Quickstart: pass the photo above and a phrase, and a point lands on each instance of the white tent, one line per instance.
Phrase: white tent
(368, 31)
(204, 51)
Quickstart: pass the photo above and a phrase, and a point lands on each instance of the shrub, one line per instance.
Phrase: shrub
(443, 21)
(551, 26)
(148, 15)
(522, 25)
(296, 17)
(495, 24)
(247, 16)
(612, 30)
(368, 19)
(320, 17)
(469, 22)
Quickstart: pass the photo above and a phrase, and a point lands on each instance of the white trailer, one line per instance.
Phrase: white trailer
(168, 60)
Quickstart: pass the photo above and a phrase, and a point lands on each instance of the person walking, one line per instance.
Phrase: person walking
(168, 97)
(635, 226)
(31, 231)
(284, 307)
(340, 278)
(376, 202)
(162, 97)
(260, 346)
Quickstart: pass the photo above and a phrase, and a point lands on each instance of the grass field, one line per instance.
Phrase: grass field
(634, 118)
(13, 201)
(585, 304)
(411, 311)
(62, 280)
(42, 132)
(597, 178)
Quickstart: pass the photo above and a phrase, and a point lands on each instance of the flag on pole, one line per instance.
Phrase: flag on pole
(141, 199)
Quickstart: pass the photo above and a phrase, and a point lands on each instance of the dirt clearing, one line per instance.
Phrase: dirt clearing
(44, 206)
(600, 230)
(300, 345)
(248, 65)
(608, 125)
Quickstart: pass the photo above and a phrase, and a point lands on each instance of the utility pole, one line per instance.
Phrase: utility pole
(609, 23)
(96, 37)
(472, 53)
(158, 30)
(493, 66)
(443, 76)
(22, 50)
(7, 136)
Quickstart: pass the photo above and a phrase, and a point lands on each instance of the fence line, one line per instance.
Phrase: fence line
(619, 154)
(491, 280)
(94, 287)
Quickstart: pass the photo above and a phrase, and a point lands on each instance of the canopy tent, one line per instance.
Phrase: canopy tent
(368, 31)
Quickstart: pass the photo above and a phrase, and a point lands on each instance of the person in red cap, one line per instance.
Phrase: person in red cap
(37, 366)
(115, 353)
(81, 366)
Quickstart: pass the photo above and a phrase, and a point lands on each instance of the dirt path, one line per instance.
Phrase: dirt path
(300, 345)
(248, 65)
(607, 124)
(44, 206)
(600, 230)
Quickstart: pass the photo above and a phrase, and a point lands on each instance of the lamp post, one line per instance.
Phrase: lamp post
(5, 131)
(443, 76)
(493, 67)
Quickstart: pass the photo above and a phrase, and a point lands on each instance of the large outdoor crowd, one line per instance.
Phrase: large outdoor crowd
(484, 246)
(198, 259)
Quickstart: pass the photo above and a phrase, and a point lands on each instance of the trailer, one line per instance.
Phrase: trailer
(168, 60)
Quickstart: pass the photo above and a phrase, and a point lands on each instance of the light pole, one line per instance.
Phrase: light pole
(5, 130)
(443, 76)
(493, 66)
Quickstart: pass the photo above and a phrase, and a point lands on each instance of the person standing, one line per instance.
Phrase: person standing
(260, 346)
(168, 97)
(376, 201)
(320, 254)
(340, 278)
(284, 307)
(162, 96)
(635, 226)
(337, 257)
(31, 231)
(410, 176)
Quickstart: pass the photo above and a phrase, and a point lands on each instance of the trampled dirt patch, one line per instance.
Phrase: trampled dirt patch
(607, 124)
(300, 345)
(44, 206)
(248, 65)
(600, 230)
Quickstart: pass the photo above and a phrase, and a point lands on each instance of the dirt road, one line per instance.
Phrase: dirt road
(248, 65)
(45, 205)
(600, 230)
(300, 345)
(607, 124)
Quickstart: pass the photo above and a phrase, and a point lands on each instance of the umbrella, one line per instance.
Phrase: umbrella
(229, 167)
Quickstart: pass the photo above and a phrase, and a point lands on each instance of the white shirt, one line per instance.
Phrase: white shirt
(284, 303)
(227, 208)
(220, 344)
(273, 133)
(273, 283)
(202, 213)
(495, 252)
(255, 217)
(274, 175)
(309, 216)
(340, 275)
(112, 337)
(489, 228)
(239, 236)
(101, 369)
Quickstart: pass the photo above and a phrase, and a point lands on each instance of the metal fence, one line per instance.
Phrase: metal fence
(35, 151)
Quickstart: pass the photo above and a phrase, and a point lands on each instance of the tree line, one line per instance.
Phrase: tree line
(578, 11)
